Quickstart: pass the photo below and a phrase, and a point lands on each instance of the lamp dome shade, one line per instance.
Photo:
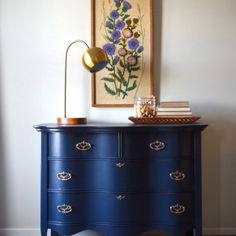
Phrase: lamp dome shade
(95, 59)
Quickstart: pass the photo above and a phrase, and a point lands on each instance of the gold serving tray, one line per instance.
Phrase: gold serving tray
(165, 120)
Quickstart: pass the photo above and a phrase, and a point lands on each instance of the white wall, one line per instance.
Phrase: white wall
(198, 63)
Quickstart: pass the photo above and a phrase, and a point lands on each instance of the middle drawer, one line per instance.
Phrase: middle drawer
(149, 175)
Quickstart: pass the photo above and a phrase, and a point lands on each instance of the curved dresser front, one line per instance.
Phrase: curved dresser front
(121, 180)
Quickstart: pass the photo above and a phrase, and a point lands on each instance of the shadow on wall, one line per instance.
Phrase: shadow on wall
(3, 215)
(157, 32)
(218, 167)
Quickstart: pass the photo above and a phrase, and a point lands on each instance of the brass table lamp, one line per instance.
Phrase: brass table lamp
(94, 60)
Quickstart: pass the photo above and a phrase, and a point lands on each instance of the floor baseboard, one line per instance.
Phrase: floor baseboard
(20, 232)
(219, 231)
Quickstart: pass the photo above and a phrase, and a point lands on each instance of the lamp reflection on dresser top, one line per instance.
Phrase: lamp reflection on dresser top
(94, 60)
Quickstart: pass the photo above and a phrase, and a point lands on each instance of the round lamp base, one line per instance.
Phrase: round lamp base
(71, 121)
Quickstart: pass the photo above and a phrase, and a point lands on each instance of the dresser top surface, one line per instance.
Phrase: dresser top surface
(54, 126)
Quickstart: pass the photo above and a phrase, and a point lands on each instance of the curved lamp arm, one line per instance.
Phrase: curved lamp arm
(94, 60)
(65, 78)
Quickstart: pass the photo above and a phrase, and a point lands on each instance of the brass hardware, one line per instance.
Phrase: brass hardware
(177, 175)
(120, 197)
(64, 176)
(177, 209)
(83, 146)
(157, 145)
(64, 209)
(120, 164)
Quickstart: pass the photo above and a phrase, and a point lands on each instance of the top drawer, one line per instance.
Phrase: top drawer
(167, 145)
(83, 145)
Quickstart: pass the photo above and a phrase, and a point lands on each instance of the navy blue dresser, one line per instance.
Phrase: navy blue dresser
(121, 180)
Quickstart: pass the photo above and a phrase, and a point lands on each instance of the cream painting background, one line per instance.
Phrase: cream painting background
(144, 80)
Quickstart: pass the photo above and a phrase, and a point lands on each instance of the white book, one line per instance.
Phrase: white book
(175, 104)
(173, 113)
(173, 109)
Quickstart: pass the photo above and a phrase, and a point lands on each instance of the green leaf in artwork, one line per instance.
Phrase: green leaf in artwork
(108, 79)
(115, 76)
(109, 90)
(122, 92)
(110, 19)
(122, 79)
(133, 77)
(108, 38)
(134, 86)
(135, 68)
(128, 68)
(116, 41)
(125, 17)
(118, 4)
(109, 68)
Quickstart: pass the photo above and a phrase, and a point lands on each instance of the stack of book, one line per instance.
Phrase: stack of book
(181, 108)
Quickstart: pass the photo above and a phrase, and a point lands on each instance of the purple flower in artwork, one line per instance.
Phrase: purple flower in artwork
(120, 24)
(114, 14)
(133, 43)
(140, 49)
(127, 5)
(116, 34)
(108, 24)
(109, 48)
(116, 59)
(117, 1)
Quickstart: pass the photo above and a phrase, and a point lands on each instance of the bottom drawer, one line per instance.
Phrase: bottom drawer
(153, 228)
(108, 207)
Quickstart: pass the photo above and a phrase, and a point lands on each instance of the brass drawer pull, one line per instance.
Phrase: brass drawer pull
(177, 209)
(177, 175)
(64, 209)
(120, 197)
(83, 146)
(157, 145)
(120, 164)
(64, 176)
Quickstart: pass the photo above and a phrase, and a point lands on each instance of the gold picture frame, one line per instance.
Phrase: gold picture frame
(123, 28)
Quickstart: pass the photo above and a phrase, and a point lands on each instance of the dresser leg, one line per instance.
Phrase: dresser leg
(53, 233)
(198, 231)
(189, 233)
(43, 232)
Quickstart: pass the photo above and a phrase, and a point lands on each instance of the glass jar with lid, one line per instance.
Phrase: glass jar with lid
(145, 107)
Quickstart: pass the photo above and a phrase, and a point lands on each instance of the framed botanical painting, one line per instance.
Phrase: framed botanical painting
(124, 30)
